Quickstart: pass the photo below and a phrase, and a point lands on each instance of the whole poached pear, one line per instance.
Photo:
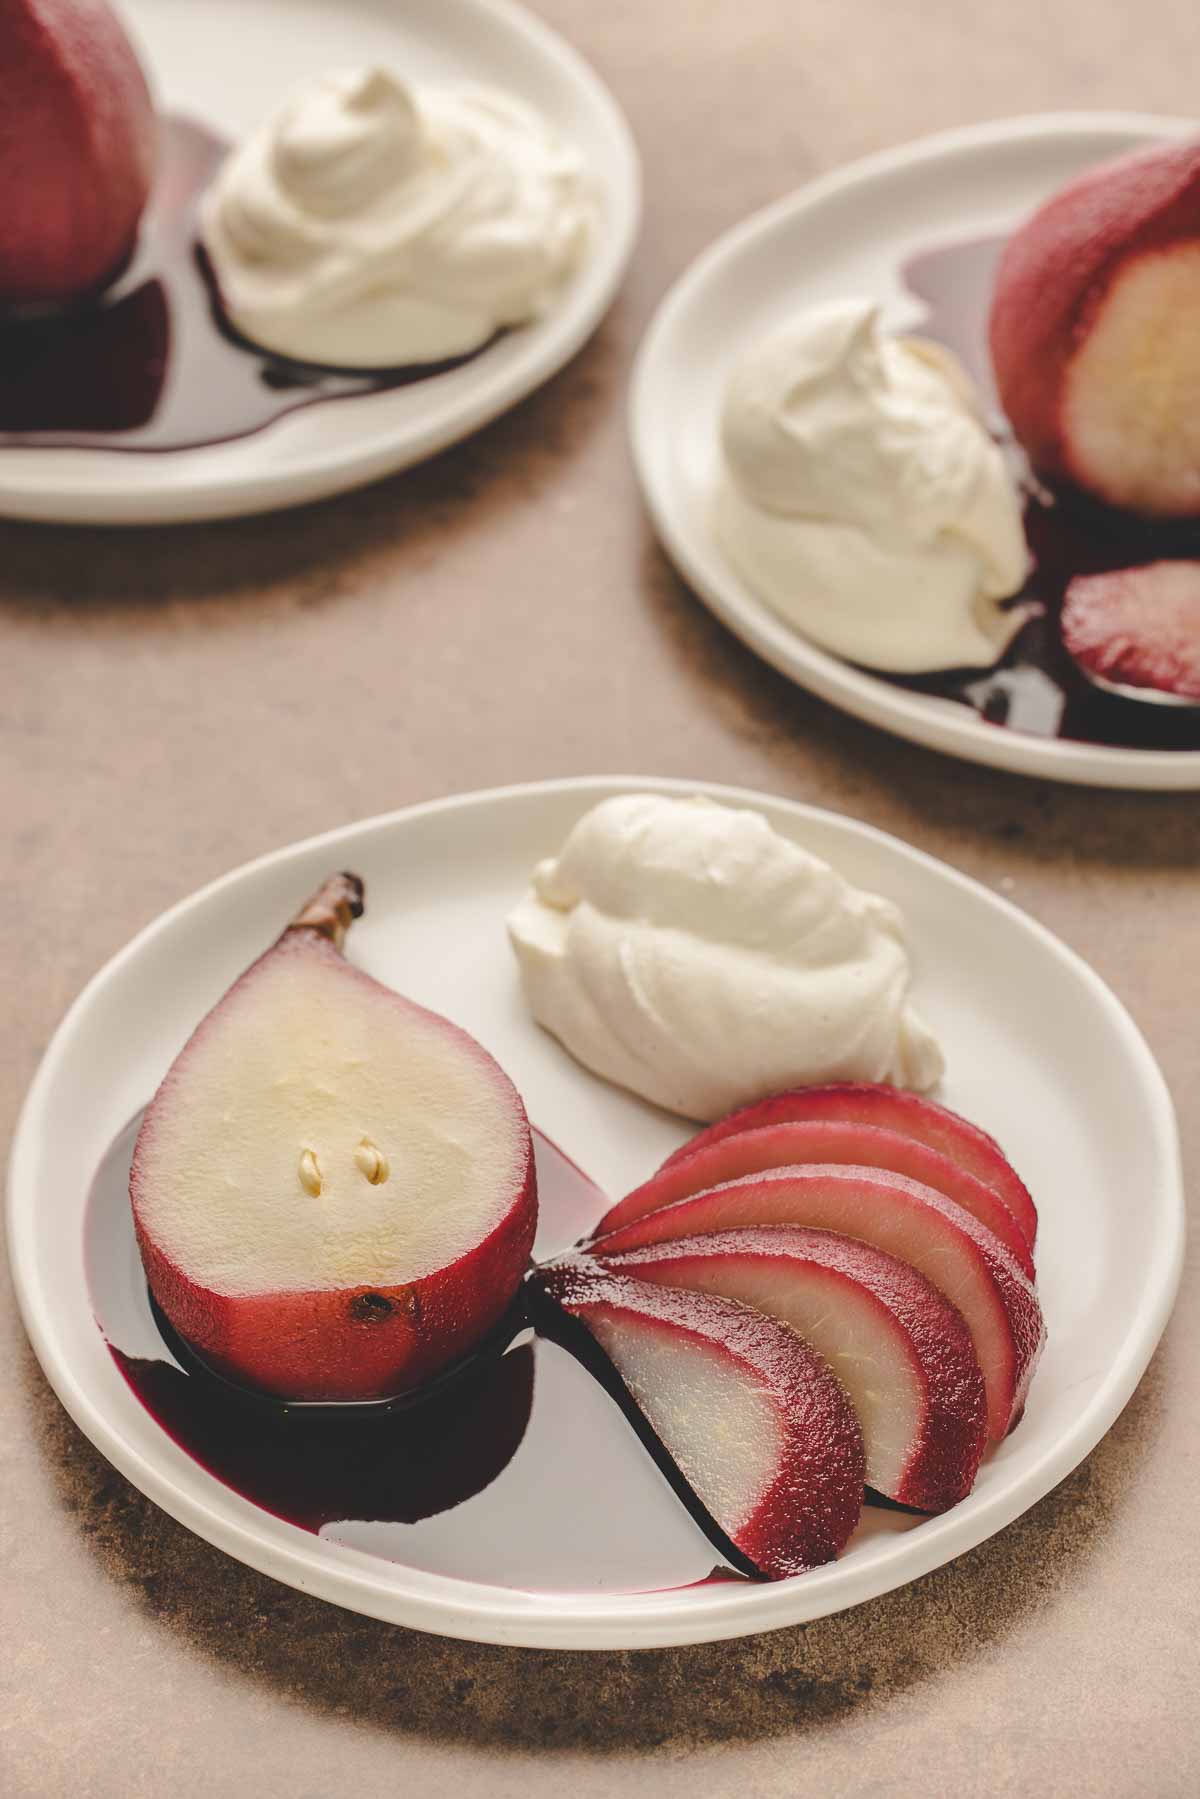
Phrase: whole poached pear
(78, 142)
(333, 1189)
(1094, 334)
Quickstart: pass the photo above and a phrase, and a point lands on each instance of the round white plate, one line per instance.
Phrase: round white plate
(1039, 1052)
(230, 63)
(851, 233)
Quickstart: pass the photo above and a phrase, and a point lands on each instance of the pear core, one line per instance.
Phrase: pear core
(304, 1060)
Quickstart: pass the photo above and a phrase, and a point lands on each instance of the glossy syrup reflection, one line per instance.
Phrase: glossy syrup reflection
(153, 364)
(524, 1474)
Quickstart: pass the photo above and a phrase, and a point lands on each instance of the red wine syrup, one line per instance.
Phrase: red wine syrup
(153, 363)
(523, 1472)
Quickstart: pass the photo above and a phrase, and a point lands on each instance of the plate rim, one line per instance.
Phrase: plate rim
(107, 494)
(512, 1617)
(937, 725)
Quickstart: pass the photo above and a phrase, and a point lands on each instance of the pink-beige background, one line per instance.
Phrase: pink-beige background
(173, 702)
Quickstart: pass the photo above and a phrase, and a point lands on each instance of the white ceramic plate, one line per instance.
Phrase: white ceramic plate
(1039, 1052)
(230, 63)
(851, 233)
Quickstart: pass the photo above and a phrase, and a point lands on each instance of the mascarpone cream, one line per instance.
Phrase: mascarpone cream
(863, 498)
(371, 224)
(687, 951)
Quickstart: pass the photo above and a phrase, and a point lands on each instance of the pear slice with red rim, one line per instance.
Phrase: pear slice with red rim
(752, 1420)
(901, 1351)
(893, 1109)
(960, 1256)
(788, 1144)
(1138, 628)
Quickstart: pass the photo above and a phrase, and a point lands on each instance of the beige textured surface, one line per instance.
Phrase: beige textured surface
(166, 703)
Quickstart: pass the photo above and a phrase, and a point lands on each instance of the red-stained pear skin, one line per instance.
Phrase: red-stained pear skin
(339, 1203)
(787, 1145)
(1137, 627)
(962, 1259)
(892, 1109)
(902, 1352)
(752, 1419)
(353, 1343)
(1057, 282)
(78, 142)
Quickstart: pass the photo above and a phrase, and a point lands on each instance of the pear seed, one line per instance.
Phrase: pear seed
(371, 1161)
(310, 1172)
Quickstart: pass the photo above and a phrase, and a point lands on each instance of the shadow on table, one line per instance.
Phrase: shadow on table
(846, 762)
(402, 1682)
(311, 554)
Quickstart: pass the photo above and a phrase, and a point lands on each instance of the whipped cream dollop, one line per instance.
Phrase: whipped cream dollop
(688, 951)
(371, 224)
(863, 498)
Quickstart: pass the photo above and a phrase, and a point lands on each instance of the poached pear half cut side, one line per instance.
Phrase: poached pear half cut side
(333, 1189)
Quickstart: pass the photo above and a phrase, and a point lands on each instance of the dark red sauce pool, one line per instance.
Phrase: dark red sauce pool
(523, 1473)
(153, 364)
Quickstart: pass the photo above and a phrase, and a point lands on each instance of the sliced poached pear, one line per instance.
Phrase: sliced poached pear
(830, 1141)
(893, 1109)
(967, 1264)
(753, 1423)
(902, 1352)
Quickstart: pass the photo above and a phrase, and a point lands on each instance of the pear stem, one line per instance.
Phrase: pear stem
(332, 909)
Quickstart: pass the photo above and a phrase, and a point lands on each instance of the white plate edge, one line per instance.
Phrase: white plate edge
(217, 497)
(828, 677)
(509, 1617)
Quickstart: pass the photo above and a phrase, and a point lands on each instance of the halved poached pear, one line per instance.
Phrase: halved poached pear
(333, 1189)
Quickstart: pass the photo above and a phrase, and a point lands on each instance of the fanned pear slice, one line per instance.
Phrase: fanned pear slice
(901, 1351)
(895, 1109)
(964, 1261)
(790, 1143)
(334, 1188)
(752, 1420)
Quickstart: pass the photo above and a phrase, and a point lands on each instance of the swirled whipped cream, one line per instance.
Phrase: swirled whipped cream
(687, 951)
(370, 224)
(863, 499)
